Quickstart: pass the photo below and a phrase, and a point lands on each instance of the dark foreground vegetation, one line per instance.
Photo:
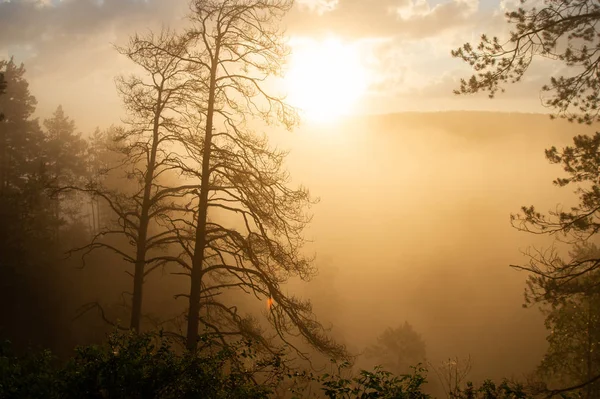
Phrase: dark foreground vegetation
(150, 366)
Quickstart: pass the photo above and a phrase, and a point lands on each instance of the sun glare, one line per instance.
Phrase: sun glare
(325, 79)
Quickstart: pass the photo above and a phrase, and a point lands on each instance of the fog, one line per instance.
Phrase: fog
(414, 224)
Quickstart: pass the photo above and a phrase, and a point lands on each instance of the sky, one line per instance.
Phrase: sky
(401, 48)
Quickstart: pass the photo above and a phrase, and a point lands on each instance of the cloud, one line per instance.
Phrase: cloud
(67, 47)
(318, 6)
(406, 18)
(27, 21)
(55, 35)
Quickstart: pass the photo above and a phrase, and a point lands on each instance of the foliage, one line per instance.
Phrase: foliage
(491, 390)
(567, 287)
(554, 278)
(573, 322)
(29, 250)
(563, 30)
(374, 384)
(149, 365)
(21, 138)
(129, 366)
(31, 375)
(64, 163)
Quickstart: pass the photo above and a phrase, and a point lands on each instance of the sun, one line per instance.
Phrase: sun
(325, 78)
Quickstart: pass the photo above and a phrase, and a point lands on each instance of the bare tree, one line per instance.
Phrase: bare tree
(452, 375)
(246, 231)
(157, 107)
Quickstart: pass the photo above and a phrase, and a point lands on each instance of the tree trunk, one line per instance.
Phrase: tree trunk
(138, 284)
(589, 350)
(140, 258)
(93, 218)
(200, 239)
(57, 182)
(3, 160)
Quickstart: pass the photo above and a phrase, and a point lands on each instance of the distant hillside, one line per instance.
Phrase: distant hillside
(477, 124)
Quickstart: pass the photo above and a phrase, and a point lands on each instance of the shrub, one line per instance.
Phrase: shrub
(375, 384)
(130, 366)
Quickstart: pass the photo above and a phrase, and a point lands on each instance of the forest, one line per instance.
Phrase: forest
(213, 244)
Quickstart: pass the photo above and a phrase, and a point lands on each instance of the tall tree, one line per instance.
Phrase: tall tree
(246, 232)
(65, 165)
(154, 106)
(23, 200)
(554, 278)
(568, 286)
(157, 106)
(30, 291)
(574, 324)
(563, 30)
(20, 136)
(570, 301)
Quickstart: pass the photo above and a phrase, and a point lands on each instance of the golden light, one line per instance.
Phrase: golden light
(325, 79)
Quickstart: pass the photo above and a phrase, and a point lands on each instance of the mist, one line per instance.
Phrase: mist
(414, 224)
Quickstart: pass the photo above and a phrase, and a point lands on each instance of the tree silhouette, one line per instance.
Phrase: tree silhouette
(566, 285)
(245, 230)
(32, 297)
(2, 90)
(157, 107)
(563, 30)
(64, 164)
(20, 136)
(398, 349)
(552, 277)
(573, 320)
(574, 325)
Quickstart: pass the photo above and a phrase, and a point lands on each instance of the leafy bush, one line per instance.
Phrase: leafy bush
(149, 366)
(489, 390)
(32, 375)
(375, 384)
(130, 366)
